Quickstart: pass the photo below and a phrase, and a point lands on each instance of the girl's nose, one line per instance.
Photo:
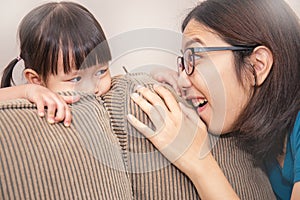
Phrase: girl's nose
(97, 91)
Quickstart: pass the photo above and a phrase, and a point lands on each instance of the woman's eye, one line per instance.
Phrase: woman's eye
(76, 79)
(197, 56)
(100, 72)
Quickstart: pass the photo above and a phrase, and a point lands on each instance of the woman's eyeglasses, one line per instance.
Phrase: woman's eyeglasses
(187, 61)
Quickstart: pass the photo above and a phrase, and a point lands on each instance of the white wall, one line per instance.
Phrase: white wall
(116, 17)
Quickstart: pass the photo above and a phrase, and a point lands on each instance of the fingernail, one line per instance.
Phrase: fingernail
(98, 94)
(138, 87)
(157, 86)
(77, 97)
(130, 117)
(51, 120)
(67, 124)
(134, 95)
(41, 114)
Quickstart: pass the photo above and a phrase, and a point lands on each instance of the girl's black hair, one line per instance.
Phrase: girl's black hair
(63, 29)
(271, 112)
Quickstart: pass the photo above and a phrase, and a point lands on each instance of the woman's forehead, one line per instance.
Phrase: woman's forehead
(199, 34)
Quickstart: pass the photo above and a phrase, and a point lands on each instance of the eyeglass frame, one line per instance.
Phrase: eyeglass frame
(180, 59)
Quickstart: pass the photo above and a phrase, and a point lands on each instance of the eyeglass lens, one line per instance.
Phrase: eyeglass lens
(188, 61)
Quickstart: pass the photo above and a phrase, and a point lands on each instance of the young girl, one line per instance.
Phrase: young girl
(251, 50)
(63, 48)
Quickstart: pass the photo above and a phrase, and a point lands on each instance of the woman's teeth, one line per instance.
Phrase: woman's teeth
(199, 102)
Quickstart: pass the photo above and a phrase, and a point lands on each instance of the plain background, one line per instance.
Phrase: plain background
(116, 18)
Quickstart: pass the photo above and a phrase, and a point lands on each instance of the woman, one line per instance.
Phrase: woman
(240, 70)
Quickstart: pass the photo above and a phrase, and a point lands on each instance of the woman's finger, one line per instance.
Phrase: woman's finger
(202, 138)
(142, 128)
(192, 115)
(140, 101)
(153, 113)
(174, 83)
(168, 98)
(170, 79)
(158, 116)
(151, 97)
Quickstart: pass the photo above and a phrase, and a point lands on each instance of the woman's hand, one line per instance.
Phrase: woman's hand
(182, 138)
(57, 108)
(166, 75)
(180, 134)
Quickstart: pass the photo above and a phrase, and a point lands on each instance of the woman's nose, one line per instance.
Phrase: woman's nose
(183, 82)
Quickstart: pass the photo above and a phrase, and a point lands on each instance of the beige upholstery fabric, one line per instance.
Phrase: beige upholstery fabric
(42, 161)
(87, 160)
(151, 175)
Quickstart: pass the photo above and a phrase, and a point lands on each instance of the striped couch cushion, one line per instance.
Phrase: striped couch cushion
(42, 161)
(152, 176)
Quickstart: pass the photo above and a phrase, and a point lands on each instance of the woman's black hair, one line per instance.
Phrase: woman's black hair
(63, 29)
(271, 112)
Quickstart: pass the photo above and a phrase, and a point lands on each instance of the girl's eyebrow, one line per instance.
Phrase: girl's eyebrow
(71, 73)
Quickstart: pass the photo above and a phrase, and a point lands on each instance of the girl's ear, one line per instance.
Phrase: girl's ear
(262, 62)
(32, 77)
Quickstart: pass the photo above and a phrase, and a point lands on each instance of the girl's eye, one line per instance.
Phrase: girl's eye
(100, 72)
(76, 79)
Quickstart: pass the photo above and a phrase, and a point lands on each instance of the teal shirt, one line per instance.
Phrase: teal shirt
(283, 179)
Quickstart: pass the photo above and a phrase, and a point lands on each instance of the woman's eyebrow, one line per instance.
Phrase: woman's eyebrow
(194, 40)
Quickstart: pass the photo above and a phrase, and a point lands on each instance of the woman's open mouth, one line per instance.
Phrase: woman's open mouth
(199, 104)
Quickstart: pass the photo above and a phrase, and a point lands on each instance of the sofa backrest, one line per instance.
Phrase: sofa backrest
(152, 176)
(101, 156)
(42, 161)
